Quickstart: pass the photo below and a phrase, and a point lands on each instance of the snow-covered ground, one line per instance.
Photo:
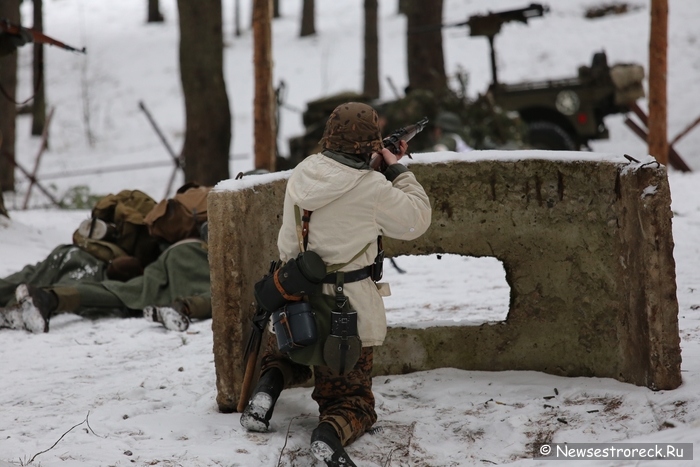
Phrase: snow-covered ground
(119, 392)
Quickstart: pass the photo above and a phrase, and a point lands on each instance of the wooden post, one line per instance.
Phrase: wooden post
(9, 9)
(237, 18)
(658, 44)
(264, 102)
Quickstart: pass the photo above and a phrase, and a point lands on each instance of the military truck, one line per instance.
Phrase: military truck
(485, 127)
(560, 113)
(557, 114)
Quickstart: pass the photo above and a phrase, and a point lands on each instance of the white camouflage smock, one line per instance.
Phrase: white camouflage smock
(351, 208)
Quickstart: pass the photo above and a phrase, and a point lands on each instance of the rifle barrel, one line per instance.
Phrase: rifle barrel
(37, 37)
(492, 19)
(391, 142)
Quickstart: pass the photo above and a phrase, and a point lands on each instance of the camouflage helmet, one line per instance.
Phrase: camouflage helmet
(449, 121)
(352, 128)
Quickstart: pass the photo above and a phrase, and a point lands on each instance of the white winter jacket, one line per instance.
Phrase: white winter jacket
(351, 207)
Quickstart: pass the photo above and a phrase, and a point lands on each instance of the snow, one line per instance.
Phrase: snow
(116, 392)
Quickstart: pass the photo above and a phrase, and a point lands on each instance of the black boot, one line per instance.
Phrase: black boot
(257, 414)
(37, 306)
(326, 446)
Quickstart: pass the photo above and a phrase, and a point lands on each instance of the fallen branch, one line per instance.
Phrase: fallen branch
(64, 434)
(286, 437)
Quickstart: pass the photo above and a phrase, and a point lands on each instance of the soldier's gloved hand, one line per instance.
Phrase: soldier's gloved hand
(403, 150)
(390, 158)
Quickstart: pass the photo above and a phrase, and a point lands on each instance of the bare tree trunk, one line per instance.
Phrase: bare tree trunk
(154, 14)
(403, 7)
(371, 79)
(264, 102)
(237, 18)
(658, 45)
(207, 113)
(39, 104)
(276, 8)
(8, 80)
(308, 24)
(3, 211)
(426, 64)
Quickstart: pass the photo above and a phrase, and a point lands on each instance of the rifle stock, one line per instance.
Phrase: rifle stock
(252, 349)
(36, 36)
(247, 380)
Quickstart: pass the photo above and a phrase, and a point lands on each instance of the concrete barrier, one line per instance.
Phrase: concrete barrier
(585, 241)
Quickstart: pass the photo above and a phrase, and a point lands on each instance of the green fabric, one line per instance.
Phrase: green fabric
(360, 162)
(86, 296)
(322, 305)
(65, 265)
(352, 160)
(180, 271)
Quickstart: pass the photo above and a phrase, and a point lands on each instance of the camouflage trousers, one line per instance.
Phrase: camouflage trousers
(346, 401)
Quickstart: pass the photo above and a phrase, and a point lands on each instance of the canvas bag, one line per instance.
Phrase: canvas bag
(124, 213)
(181, 216)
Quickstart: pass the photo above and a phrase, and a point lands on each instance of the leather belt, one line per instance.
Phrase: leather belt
(350, 276)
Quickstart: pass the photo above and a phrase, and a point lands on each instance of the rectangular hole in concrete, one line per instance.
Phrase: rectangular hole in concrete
(447, 289)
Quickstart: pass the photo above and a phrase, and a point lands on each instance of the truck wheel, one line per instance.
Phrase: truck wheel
(548, 135)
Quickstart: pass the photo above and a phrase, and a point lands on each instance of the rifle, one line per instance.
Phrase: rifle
(489, 25)
(391, 142)
(252, 349)
(34, 36)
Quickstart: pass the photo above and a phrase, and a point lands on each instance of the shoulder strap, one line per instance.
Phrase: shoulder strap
(302, 222)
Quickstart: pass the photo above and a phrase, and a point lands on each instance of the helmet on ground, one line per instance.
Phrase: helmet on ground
(352, 128)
